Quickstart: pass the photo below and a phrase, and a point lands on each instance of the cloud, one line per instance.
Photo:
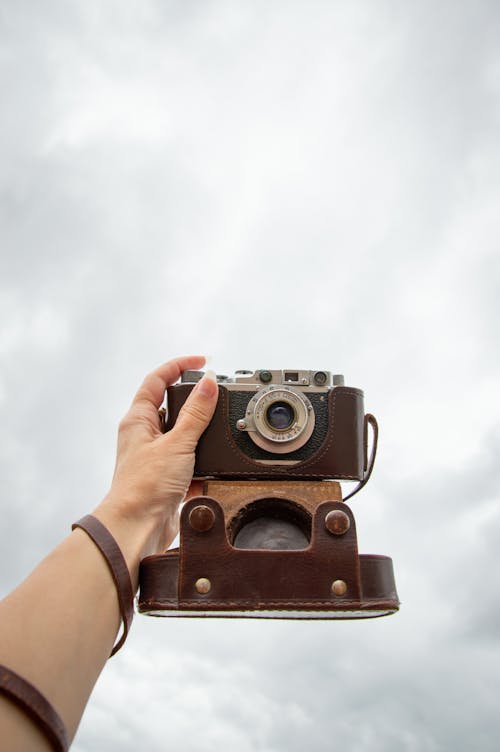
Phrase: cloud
(274, 185)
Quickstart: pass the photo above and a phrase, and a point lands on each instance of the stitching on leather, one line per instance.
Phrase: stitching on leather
(316, 456)
(281, 605)
(291, 604)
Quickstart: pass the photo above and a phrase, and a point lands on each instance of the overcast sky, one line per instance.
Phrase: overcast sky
(276, 184)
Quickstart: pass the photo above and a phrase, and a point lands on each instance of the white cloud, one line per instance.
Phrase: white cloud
(275, 185)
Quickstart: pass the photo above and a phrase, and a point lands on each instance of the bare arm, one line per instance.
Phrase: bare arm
(58, 627)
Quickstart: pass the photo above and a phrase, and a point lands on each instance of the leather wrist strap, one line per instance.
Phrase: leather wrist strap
(370, 420)
(117, 566)
(35, 705)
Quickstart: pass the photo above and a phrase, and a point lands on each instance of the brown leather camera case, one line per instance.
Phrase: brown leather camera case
(342, 454)
(208, 575)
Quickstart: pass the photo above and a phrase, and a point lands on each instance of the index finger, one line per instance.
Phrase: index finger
(151, 393)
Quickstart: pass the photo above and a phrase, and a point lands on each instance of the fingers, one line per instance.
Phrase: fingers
(151, 393)
(197, 411)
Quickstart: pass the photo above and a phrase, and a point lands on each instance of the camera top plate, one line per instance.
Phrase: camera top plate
(265, 377)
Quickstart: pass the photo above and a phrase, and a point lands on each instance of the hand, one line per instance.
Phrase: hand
(153, 470)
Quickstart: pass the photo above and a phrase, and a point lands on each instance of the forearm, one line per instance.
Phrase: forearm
(58, 627)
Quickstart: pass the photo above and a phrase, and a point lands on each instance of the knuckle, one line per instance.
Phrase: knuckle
(194, 411)
(125, 423)
(181, 444)
(185, 444)
(142, 393)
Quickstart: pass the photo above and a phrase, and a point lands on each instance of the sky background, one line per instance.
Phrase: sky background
(276, 184)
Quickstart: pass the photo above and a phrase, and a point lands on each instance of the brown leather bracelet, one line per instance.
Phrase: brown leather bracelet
(35, 705)
(117, 566)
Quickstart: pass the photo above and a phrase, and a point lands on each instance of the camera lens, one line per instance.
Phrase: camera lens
(279, 419)
(280, 416)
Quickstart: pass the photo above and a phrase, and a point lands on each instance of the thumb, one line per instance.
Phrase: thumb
(197, 411)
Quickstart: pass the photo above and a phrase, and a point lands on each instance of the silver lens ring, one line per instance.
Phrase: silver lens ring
(282, 440)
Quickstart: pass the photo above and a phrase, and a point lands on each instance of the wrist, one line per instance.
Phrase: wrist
(136, 535)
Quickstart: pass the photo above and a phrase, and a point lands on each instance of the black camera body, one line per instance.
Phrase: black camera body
(279, 424)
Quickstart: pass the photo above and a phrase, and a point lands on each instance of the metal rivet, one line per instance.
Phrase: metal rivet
(337, 522)
(203, 585)
(201, 518)
(241, 425)
(339, 587)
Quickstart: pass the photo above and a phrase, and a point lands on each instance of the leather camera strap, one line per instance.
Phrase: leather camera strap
(369, 463)
(35, 705)
(117, 566)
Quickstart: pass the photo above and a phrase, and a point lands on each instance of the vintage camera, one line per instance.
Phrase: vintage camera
(279, 424)
(272, 536)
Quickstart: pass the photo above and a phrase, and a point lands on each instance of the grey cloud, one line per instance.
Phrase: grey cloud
(273, 185)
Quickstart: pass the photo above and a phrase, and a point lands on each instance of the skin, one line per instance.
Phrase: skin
(59, 638)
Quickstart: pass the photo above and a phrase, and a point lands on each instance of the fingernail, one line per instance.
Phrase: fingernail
(208, 384)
